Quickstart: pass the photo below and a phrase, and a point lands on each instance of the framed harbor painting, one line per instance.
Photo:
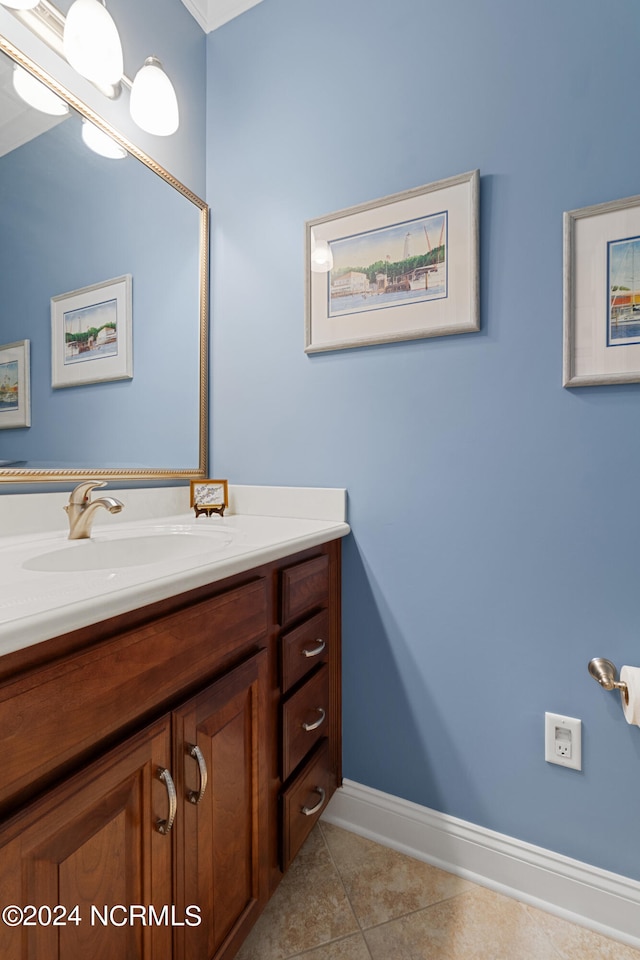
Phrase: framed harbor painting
(15, 385)
(401, 268)
(602, 294)
(91, 334)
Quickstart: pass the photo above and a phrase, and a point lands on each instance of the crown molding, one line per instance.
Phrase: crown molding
(211, 14)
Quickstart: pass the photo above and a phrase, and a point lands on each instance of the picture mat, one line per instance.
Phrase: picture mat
(591, 356)
(457, 313)
(99, 369)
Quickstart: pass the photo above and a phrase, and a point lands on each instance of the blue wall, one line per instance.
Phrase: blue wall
(495, 526)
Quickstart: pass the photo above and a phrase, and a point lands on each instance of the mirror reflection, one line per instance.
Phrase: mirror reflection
(129, 390)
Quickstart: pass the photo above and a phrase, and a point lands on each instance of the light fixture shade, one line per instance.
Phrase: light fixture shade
(36, 94)
(321, 257)
(91, 43)
(154, 105)
(100, 142)
(20, 4)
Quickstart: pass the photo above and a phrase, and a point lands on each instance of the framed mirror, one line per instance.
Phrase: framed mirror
(104, 276)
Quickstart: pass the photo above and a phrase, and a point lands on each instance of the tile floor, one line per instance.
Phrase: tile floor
(346, 898)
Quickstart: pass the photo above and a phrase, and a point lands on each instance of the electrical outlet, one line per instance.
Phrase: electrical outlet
(563, 740)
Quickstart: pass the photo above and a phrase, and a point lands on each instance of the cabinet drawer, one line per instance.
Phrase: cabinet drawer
(303, 648)
(61, 712)
(304, 720)
(304, 587)
(304, 801)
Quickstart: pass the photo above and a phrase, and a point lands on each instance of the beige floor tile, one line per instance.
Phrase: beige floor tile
(479, 925)
(383, 884)
(308, 909)
(577, 943)
(351, 948)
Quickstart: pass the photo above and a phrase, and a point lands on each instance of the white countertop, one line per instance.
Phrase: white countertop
(51, 585)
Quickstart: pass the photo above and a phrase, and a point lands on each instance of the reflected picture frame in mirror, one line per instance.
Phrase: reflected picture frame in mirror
(22, 471)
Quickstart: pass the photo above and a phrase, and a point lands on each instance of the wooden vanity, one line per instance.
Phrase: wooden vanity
(164, 766)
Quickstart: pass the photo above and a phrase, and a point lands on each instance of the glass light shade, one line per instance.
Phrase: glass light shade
(20, 4)
(154, 105)
(91, 43)
(36, 94)
(321, 257)
(100, 142)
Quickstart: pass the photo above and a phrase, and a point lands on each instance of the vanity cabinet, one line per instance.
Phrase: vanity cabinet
(163, 768)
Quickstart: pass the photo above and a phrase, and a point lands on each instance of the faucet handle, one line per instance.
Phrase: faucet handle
(82, 492)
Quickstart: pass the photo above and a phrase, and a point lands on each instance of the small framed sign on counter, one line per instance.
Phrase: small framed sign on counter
(209, 496)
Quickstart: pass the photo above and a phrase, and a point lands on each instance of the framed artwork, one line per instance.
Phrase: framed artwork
(91, 334)
(602, 294)
(209, 496)
(400, 268)
(15, 385)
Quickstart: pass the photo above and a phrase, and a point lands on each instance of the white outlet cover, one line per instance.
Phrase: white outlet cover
(551, 722)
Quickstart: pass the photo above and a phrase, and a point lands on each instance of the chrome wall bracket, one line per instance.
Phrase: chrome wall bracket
(606, 673)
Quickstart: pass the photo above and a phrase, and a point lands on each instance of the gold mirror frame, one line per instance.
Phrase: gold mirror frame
(18, 475)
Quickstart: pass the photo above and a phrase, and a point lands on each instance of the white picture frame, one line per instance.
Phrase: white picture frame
(403, 267)
(78, 354)
(15, 385)
(601, 302)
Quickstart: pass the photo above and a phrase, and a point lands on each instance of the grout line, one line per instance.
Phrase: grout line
(412, 913)
(337, 869)
(329, 943)
(531, 913)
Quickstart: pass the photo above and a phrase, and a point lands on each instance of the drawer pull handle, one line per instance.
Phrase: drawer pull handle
(195, 796)
(164, 826)
(309, 811)
(314, 726)
(317, 651)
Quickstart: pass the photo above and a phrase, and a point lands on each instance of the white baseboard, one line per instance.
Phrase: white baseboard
(598, 899)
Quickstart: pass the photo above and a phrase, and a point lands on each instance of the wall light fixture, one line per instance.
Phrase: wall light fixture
(321, 257)
(88, 39)
(91, 42)
(154, 105)
(36, 94)
(100, 142)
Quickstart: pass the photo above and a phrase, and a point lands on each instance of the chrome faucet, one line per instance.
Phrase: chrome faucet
(81, 508)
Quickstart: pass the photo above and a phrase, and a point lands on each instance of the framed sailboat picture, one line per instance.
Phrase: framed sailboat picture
(15, 385)
(403, 267)
(602, 294)
(91, 334)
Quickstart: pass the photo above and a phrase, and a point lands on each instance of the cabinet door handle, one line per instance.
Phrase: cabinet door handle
(164, 826)
(318, 723)
(317, 651)
(309, 811)
(195, 796)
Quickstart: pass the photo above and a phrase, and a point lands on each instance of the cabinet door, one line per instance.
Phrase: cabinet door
(221, 839)
(93, 844)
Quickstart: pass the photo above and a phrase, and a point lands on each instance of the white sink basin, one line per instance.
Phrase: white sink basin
(131, 550)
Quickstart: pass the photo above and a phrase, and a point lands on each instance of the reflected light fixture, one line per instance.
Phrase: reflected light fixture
(37, 95)
(100, 142)
(91, 42)
(154, 105)
(321, 257)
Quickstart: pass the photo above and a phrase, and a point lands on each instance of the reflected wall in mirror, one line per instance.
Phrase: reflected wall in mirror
(69, 219)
